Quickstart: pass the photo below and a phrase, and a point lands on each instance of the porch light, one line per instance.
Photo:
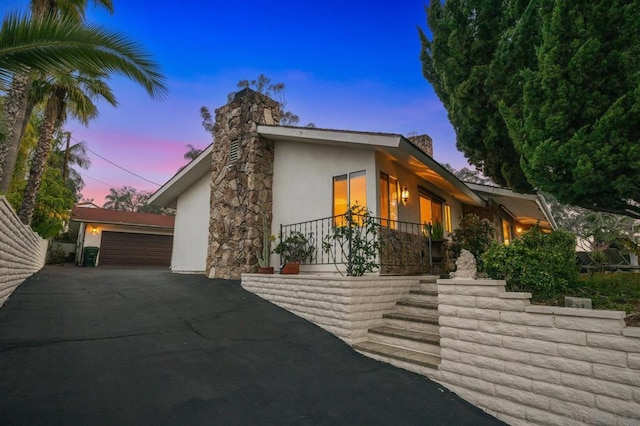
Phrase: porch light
(94, 230)
(404, 195)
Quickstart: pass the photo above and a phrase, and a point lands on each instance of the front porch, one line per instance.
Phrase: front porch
(356, 243)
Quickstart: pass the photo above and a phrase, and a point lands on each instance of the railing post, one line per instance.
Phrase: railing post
(350, 235)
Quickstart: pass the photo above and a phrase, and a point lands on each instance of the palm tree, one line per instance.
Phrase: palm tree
(192, 153)
(63, 93)
(114, 200)
(51, 44)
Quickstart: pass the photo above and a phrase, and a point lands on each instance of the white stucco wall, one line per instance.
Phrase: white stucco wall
(302, 179)
(191, 232)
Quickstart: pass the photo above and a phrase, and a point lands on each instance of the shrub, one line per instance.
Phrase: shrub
(473, 234)
(543, 264)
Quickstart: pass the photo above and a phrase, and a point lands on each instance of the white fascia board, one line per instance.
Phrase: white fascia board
(327, 136)
(167, 194)
(409, 147)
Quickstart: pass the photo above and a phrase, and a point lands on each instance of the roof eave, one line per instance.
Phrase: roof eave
(167, 194)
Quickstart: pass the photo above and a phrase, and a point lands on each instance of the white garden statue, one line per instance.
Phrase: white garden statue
(465, 266)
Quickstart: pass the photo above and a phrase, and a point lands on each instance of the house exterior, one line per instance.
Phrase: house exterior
(301, 175)
(123, 238)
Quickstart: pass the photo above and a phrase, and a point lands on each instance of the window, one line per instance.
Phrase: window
(506, 232)
(447, 218)
(430, 208)
(349, 190)
(388, 200)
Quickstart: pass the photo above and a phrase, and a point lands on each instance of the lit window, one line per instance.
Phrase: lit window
(430, 209)
(389, 200)
(506, 232)
(447, 218)
(349, 190)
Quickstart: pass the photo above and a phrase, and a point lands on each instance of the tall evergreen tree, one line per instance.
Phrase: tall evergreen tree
(579, 124)
(459, 60)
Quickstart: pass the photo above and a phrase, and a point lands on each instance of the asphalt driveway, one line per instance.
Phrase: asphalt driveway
(106, 346)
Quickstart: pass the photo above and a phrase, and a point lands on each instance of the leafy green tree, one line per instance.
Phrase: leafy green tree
(464, 60)
(578, 126)
(474, 234)
(543, 93)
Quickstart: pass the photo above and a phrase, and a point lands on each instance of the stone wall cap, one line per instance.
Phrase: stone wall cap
(468, 281)
(514, 295)
(325, 277)
(575, 312)
(631, 332)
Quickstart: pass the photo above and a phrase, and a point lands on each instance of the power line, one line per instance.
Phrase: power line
(118, 166)
(97, 180)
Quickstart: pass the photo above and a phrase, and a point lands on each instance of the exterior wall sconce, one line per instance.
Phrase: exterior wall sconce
(94, 230)
(404, 195)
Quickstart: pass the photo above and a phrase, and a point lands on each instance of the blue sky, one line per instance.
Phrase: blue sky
(346, 65)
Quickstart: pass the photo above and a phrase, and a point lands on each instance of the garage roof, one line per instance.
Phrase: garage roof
(93, 215)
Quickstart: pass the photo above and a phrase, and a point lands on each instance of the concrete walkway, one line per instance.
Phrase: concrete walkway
(104, 346)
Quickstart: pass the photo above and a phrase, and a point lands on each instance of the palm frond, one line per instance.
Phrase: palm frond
(50, 45)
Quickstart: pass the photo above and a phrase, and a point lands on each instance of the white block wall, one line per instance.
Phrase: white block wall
(344, 306)
(529, 364)
(22, 251)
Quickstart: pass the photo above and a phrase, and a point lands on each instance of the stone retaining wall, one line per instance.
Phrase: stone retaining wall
(22, 251)
(344, 306)
(530, 364)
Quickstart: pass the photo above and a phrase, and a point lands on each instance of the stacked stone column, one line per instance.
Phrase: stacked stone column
(240, 186)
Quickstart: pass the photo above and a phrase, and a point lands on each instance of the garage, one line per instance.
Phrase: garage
(131, 249)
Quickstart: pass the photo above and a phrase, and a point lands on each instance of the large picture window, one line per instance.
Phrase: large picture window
(388, 200)
(431, 208)
(349, 190)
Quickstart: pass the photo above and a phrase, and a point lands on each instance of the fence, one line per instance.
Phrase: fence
(363, 243)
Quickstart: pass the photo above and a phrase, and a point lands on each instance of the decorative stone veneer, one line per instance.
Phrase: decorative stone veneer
(530, 364)
(344, 306)
(22, 251)
(242, 177)
(403, 253)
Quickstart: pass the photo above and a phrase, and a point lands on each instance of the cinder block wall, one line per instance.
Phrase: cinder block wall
(529, 364)
(344, 306)
(22, 251)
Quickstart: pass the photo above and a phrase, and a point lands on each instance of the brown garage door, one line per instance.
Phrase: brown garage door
(126, 249)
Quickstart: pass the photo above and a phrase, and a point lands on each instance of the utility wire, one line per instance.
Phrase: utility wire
(118, 166)
(97, 180)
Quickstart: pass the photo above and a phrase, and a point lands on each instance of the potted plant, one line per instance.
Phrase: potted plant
(264, 257)
(293, 250)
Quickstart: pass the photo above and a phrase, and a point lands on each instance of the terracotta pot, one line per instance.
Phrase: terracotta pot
(267, 270)
(290, 268)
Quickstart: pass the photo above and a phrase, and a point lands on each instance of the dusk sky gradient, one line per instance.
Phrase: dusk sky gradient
(345, 64)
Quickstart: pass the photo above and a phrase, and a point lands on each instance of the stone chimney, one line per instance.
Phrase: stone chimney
(242, 177)
(424, 143)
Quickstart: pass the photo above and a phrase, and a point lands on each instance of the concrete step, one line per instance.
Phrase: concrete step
(425, 279)
(390, 354)
(424, 295)
(427, 322)
(407, 339)
(415, 306)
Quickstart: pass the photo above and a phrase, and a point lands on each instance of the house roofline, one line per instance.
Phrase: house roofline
(386, 142)
(167, 194)
(111, 222)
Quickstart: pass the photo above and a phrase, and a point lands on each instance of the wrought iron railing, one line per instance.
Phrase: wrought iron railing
(396, 247)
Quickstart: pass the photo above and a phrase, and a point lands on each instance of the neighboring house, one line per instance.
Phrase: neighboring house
(306, 174)
(123, 238)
